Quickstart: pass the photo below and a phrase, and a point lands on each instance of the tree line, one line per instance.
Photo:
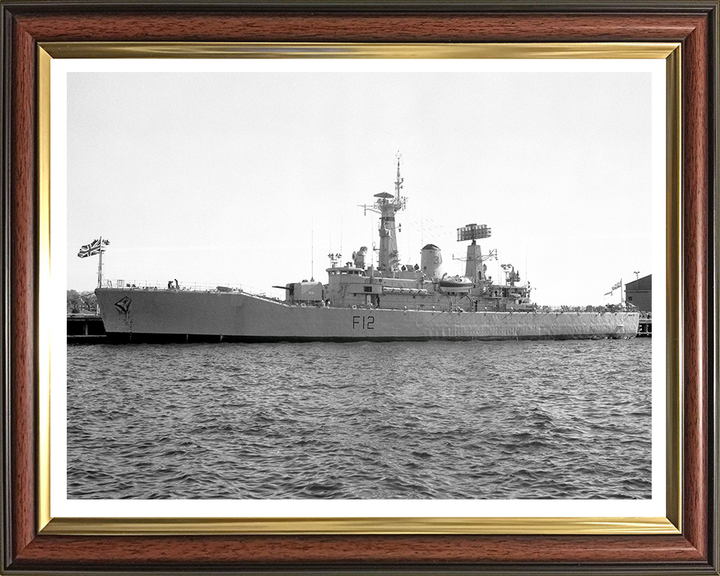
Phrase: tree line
(78, 302)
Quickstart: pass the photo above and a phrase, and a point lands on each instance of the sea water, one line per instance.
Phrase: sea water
(465, 420)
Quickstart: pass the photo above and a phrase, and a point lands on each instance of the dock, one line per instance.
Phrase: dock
(85, 329)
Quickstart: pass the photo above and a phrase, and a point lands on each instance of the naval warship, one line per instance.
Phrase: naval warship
(383, 301)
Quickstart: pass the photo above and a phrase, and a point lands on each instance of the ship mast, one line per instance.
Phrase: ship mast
(474, 262)
(399, 181)
(387, 206)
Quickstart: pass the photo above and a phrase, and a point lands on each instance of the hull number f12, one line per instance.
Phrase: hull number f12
(363, 322)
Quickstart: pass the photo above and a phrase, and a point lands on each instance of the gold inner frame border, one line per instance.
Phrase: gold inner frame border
(671, 524)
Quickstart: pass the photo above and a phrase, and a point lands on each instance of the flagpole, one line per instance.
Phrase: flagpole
(100, 265)
(621, 286)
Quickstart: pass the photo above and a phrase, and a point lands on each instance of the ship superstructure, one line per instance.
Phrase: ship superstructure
(389, 301)
(422, 286)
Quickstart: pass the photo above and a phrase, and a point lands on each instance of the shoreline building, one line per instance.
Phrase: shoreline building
(639, 293)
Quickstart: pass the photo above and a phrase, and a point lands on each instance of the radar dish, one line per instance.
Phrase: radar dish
(383, 195)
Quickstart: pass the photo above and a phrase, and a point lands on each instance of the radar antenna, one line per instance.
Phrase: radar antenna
(474, 267)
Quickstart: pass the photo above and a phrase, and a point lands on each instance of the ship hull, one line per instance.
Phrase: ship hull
(186, 316)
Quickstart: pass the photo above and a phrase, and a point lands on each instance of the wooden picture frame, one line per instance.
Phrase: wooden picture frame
(29, 547)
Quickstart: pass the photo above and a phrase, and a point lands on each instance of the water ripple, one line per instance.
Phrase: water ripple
(468, 420)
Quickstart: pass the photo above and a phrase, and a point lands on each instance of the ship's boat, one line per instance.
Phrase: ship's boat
(458, 284)
(387, 301)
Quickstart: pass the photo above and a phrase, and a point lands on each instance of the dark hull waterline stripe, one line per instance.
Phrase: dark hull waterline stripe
(122, 338)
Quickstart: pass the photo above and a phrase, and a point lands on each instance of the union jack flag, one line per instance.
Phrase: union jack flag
(615, 287)
(93, 248)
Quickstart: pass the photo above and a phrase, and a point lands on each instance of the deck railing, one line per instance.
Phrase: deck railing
(183, 286)
(230, 287)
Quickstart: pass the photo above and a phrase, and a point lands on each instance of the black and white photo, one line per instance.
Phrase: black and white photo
(405, 283)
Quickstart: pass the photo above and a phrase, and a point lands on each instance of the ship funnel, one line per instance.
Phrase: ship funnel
(431, 261)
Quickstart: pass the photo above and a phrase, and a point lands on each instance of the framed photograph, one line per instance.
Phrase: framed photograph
(360, 287)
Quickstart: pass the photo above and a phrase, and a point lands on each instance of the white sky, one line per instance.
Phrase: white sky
(225, 178)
